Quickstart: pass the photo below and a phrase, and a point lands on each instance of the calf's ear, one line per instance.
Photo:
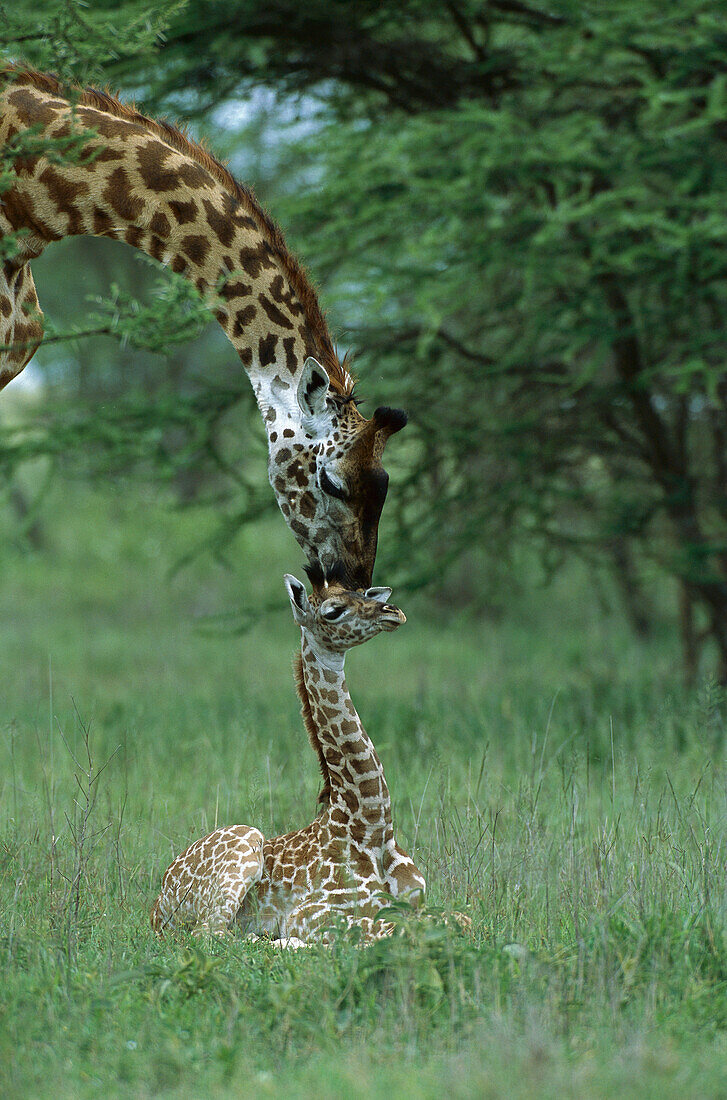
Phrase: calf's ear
(381, 595)
(298, 598)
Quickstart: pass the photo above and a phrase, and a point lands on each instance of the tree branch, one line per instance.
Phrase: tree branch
(629, 365)
(465, 29)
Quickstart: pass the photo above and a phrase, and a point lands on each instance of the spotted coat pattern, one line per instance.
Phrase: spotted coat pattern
(335, 870)
(144, 182)
(206, 884)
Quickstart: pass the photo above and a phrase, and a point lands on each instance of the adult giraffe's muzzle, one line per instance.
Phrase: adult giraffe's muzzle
(368, 482)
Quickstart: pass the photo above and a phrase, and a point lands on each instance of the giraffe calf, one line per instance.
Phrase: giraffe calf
(339, 869)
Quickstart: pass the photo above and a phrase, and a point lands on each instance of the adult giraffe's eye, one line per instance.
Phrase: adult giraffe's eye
(330, 487)
(333, 613)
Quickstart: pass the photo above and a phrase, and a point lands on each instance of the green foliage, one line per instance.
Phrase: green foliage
(176, 315)
(524, 236)
(540, 278)
(516, 212)
(192, 973)
(77, 40)
(425, 966)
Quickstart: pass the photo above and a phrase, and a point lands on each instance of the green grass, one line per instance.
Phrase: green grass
(547, 772)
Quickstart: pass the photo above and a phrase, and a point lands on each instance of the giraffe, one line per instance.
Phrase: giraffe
(143, 181)
(293, 887)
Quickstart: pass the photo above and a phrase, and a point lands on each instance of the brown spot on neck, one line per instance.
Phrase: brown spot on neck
(120, 119)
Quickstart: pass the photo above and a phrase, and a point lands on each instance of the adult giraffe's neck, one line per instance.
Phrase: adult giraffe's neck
(359, 795)
(143, 182)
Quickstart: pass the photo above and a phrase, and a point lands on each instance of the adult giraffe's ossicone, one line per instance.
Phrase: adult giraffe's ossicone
(144, 182)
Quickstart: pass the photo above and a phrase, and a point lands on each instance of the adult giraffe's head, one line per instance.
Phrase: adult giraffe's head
(146, 183)
(325, 468)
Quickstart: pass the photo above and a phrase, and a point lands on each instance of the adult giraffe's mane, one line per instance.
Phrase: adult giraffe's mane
(338, 371)
(305, 709)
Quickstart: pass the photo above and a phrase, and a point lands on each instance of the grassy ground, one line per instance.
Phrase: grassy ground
(547, 773)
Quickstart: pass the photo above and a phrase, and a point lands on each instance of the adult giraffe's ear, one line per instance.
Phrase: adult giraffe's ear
(298, 598)
(381, 595)
(313, 388)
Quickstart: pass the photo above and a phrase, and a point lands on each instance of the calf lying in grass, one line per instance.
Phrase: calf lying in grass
(337, 869)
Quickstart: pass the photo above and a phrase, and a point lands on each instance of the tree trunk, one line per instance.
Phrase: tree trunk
(32, 529)
(691, 645)
(636, 604)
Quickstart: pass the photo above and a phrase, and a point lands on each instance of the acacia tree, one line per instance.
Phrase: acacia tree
(518, 210)
(521, 208)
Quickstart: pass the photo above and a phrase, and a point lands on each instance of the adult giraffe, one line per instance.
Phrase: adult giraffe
(142, 181)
